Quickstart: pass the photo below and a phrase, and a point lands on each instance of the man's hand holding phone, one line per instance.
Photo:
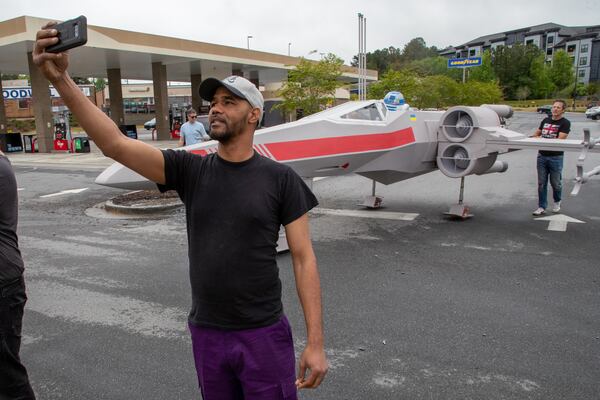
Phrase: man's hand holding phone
(51, 43)
(53, 65)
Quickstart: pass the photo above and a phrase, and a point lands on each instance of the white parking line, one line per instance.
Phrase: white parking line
(367, 214)
(63, 192)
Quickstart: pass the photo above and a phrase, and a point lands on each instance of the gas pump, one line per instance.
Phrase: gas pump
(177, 115)
(62, 129)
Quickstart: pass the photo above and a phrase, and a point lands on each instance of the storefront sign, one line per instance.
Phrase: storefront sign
(24, 92)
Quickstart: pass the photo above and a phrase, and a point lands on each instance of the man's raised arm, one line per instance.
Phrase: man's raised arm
(146, 160)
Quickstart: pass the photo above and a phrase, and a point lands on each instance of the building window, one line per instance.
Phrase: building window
(529, 41)
(550, 40)
(581, 73)
(571, 48)
(584, 48)
(582, 60)
(23, 104)
(472, 53)
(549, 51)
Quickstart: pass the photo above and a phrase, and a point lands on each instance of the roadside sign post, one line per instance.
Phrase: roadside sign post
(464, 63)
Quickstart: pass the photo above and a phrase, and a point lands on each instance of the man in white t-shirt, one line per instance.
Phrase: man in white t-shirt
(192, 131)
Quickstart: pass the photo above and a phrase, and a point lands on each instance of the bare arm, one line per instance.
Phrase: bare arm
(139, 156)
(537, 133)
(309, 292)
(562, 135)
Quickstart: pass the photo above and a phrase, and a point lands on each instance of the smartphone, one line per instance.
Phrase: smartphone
(71, 33)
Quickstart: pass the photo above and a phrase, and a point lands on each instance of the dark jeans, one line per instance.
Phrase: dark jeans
(549, 167)
(14, 383)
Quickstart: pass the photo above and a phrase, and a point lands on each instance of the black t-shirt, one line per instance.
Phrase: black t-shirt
(11, 264)
(233, 214)
(550, 130)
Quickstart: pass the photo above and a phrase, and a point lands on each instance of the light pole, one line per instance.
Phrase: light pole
(362, 57)
(289, 46)
(248, 41)
(576, 78)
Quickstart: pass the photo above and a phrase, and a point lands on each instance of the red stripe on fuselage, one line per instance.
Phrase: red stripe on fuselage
(308, 148)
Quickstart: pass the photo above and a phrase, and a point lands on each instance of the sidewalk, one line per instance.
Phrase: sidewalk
(94, 160)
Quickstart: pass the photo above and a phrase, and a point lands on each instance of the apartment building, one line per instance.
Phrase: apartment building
(582, 44)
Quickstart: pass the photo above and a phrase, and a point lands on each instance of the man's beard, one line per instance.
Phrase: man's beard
(231, 130)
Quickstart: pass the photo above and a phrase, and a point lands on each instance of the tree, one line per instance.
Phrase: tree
(485, 71)
(81, 81)
(435, 91)
(311, 85)
(542, 86)
(399, 81)
(434, 66)
(381, 59)
(476, 93)
(417, 49)
(561, 72)
(593, 89)
(8, 77)
(522, 93)
(99, 84)
(393, 58)
(512, 66)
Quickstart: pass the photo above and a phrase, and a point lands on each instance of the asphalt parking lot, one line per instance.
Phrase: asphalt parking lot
(494, 307)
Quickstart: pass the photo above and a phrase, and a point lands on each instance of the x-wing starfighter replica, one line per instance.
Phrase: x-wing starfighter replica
(387, 141)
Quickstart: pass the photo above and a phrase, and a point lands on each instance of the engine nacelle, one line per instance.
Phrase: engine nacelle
(462, 140)
(457, 161)
(502, 110)
(459, 124)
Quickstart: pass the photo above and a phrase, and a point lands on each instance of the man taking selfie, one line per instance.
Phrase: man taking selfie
(235, 202)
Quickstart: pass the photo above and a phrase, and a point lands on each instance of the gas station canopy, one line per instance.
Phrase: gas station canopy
(134, 53)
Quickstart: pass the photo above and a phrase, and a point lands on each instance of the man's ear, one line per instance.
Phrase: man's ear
(254, 116)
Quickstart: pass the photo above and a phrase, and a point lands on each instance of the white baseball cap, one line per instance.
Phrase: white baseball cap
(237, 85)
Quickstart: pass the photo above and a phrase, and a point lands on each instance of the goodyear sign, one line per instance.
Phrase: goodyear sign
(18, 93)
(464, 62)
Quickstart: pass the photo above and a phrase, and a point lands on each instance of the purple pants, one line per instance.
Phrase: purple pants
(250, 364)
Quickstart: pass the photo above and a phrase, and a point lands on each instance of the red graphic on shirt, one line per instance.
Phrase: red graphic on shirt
(550, 131)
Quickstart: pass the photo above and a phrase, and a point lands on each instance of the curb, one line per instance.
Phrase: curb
(110, 206)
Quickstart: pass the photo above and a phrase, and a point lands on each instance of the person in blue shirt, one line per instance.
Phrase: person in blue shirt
(192, 131)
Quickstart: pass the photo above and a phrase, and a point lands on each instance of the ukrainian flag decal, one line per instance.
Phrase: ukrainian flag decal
(413, 117)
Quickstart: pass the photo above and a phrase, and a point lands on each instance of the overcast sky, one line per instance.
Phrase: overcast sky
(329, 26)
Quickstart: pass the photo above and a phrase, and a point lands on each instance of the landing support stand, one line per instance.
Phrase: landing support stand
(372, 201)
(582, 176)
(460, 210)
